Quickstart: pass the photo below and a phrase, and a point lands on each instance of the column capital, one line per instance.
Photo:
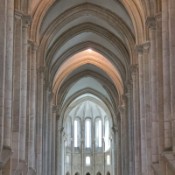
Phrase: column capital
(139, 49)
(158, 17)
(151, 22)
(121, 108)
(114, 128)
(56, 108)
(33, 45)
(134, 69)
(128, 87)
(26, 19)
(144, 47)
(18, 14)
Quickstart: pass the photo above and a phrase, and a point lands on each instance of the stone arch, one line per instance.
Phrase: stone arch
(82, 61)
(88, 27)
(118, 23)
(134, 10)
(99, 173)
(123, 68)
(110, 89)
(104, 104)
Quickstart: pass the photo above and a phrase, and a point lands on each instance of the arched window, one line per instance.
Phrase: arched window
(77, 133)
(107, 135)
(108, 173)
(87, 173)
(87, 133)
(76, 173)
(108, 160)
(88, 161)
(67, 173)
(98, 132)
(98, 173)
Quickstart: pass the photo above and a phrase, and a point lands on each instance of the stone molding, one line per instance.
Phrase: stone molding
(121, 109)
(134, 69)
(151, 22)
(86, 27)
(26, 19)
(140, 49)
(33, 45)
(56, 109)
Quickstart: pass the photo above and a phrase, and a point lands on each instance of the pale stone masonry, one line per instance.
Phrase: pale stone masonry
(118, 56)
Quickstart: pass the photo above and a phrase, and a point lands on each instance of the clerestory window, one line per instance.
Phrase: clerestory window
(98, 132)
(77, 133)
(87, 133)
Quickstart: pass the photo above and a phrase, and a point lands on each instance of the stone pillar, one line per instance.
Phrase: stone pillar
(146, 62)
(16, 90)
(39, 120)
(160, 91)
(116, 157)
(142, 111)
(59, 146)
(136, 118)
(166, 77)
(32, 108)
(3, 21)
(47, 93)
(124, 151)
(172, 63)
(53, 135)
(130, 133)
(49, 141)
(8, 74)
(151, 24)
(23, 86)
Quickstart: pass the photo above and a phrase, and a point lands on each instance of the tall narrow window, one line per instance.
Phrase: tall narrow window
(98, 132)
(87, 133)
(107, 134)
(76, 132)
(108, 160)
(88, 161)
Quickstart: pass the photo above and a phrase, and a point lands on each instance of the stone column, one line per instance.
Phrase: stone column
(16, 90)
(124, 151)
(172, 63)
(142, 111)
(59, 147)
(166, 77)
(46, 128)
(23, 86)
(151, 24)
(54, 129)
(49, 141)
(116, 157)
(3, 21)
(129, 117)
(39, 120)
(8, 74)
(136, 118)
(32, 108)
(160, 95)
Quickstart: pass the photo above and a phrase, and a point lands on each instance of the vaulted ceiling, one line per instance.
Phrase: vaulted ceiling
(88, 46)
